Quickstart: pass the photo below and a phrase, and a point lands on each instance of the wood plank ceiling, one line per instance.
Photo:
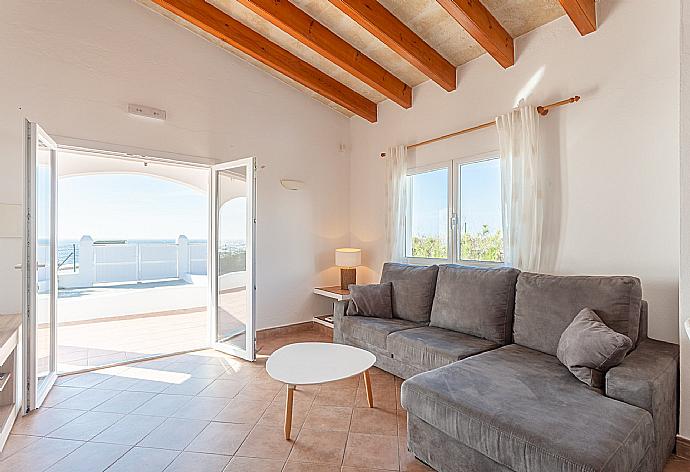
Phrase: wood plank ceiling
(352, 54)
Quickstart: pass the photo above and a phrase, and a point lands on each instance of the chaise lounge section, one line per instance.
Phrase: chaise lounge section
(485, 390)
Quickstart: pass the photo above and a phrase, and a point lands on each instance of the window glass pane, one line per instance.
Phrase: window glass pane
(428, 231)
(481, 238)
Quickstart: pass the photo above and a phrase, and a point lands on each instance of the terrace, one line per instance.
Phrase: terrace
(119, 301)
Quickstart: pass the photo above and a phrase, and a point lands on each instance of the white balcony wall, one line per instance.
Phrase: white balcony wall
(115, 263)
(198, 253)
(158, 261)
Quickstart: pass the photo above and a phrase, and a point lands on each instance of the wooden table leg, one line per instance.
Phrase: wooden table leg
(288, 411)
(367, 384)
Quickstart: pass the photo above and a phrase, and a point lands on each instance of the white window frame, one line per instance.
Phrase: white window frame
(448, 166)
(454, 206)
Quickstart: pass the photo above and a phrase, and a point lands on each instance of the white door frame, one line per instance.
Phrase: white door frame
(35, 393)
(249, 352)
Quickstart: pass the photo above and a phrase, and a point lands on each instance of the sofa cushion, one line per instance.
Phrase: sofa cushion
(371, 330)
(475, 301)
(430, 347)
(546, 304)
(371, 300)
(588, 348)
(523, 409)
(413, 290)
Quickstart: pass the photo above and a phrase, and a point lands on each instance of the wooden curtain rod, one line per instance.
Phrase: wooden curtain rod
(543, 110)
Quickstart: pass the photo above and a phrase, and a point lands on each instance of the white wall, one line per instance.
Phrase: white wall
(74, 66)
(613, 185)
(684, 219)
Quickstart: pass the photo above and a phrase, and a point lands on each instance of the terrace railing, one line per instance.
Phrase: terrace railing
(122, 261)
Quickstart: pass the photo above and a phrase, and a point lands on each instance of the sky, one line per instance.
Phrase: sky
(129, 206)
(480, 197)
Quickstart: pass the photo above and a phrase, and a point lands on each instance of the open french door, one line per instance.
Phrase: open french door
(39, 268)
(231, 256)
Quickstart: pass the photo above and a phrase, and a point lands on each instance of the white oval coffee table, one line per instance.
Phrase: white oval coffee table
(317, 363)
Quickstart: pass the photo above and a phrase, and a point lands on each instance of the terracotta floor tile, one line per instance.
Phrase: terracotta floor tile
(129, 430)
(275, 414)
(125, 402)
(383, 395)
(253, 464)
(242, 411)
(163, 405)
(321, 447)
(90, 379)
(291, 466)
(196, 462)
(174, 433)
(144, 459)
(59, 394)
(259, 391)
(222, 388)
(328, 418)
(90, 457)
(190, 386)
(86, 426)
(336, 397)
(301, 392)
(268, 442)
(44, 421)
(117, 383)
(220, 438)
(39, 455)
(88, 399)
(15, 443)
(372, 451)
(150, 386)
(374, 421)
(201, 408)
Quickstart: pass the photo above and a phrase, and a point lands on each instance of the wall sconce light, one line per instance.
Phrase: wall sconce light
(291, 184)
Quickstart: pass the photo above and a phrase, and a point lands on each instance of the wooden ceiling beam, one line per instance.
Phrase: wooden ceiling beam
(483, 27)
(372, 16)
(224, 27)
(314, 35)
(583, 14)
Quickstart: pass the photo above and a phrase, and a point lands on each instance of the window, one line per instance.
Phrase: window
(454, 212)
(427, 233)
(480, 235)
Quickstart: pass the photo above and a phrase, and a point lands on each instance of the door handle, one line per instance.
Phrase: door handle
(21, 266)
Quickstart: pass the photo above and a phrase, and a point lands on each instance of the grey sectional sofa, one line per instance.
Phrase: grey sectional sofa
(484, 389)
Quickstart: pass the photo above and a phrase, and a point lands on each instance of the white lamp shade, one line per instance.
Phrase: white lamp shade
(348, 257)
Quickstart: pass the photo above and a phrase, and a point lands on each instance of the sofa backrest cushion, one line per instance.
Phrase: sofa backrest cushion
(475, 301)
(546, 304)
(413, 290)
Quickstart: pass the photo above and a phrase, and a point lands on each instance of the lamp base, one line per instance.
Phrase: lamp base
(347, 277)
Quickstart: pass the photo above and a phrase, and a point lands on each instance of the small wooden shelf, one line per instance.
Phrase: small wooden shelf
(324, 320)
(334, 292)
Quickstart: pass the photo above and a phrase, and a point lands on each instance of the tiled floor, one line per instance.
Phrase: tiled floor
(210, 412)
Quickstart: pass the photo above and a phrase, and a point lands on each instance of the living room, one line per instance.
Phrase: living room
(410, 136)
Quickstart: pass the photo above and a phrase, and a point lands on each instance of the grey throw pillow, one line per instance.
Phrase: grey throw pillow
(371, 300)
(413, 290)
(588, 348)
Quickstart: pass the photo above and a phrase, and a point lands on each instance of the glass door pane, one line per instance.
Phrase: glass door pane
(232, 258)
(40, 265)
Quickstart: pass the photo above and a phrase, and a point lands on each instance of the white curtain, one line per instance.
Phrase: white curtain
(521, 192)
(396, 194)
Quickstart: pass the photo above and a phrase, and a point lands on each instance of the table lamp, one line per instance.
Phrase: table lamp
(348, 258)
